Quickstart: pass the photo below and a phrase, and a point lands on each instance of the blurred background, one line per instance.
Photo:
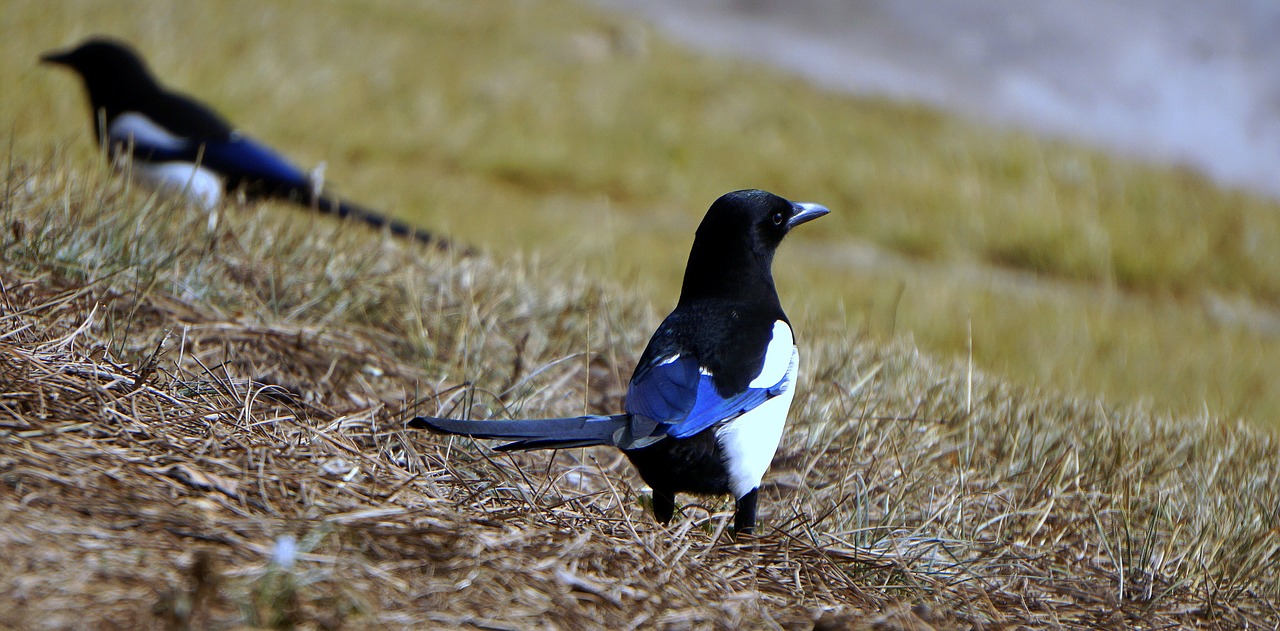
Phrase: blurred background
(1178, 81)
(1075, 194)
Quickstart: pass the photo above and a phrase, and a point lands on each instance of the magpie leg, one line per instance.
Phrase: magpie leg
(664, 506)
(744, 515)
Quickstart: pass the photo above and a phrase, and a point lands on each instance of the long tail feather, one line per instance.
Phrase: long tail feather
(550, 433)
(345, 209)
(550, 443)
(301, 190)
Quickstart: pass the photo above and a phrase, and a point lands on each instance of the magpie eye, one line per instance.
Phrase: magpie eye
(778, 218)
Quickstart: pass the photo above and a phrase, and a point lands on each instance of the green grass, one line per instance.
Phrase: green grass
(585, 140)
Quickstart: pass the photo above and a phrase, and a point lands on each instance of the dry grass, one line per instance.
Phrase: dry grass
(177, 406)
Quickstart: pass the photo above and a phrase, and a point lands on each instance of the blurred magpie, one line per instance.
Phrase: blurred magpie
(706, 405)
(176, 142)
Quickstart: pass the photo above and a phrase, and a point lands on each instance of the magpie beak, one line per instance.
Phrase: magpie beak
(55, 58)
(806, 212)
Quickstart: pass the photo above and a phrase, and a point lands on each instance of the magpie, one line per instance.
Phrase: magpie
(708, 399)
(176, 142)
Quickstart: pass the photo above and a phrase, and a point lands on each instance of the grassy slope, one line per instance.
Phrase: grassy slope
(898, 483)
(529, 125)
(172, 403)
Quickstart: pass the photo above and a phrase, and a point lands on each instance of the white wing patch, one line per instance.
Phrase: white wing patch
(669, 360)
(777, 357)
(143, 131)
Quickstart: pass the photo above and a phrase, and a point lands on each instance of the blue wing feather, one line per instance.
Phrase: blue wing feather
(711, 408)
(241, 157)
(685, 401)
(664, 392)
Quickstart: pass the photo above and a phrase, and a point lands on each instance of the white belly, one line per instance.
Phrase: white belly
(749, 441)
(197, 184)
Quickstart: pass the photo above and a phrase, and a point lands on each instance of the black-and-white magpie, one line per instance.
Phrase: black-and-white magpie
(173, 141)
(707, 403)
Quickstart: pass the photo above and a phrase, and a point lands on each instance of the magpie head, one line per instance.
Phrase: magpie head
(755, 220)
(736, 241)
(112, 72)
